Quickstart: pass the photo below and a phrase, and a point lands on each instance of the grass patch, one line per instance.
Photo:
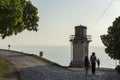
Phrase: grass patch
(2, 78)
(6, 69)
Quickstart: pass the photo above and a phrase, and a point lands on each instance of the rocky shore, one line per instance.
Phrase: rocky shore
(31, 68)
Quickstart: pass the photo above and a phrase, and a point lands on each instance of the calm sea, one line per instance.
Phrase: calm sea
(62, 54)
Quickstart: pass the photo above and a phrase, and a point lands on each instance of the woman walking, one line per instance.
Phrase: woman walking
(86, 64)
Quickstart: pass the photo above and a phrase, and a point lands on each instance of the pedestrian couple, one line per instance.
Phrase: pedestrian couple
(93, 61)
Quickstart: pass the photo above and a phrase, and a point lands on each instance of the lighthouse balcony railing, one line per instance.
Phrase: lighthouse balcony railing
(80, 38)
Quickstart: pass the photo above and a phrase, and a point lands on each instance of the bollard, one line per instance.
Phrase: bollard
(9, 47)
(41, 54)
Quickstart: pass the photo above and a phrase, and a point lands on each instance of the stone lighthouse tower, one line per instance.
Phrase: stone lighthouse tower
(79, 46)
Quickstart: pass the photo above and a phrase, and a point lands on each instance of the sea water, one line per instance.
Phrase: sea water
(62, 54)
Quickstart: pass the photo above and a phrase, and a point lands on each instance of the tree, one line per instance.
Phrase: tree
(17, 16)
(112, 40)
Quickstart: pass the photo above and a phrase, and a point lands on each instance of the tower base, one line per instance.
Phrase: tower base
(76, 64)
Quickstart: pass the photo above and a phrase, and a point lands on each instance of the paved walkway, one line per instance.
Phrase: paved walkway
(31, 68)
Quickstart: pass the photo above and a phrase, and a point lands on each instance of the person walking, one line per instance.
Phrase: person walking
(93, 62)
(98, 62)
(86, 64)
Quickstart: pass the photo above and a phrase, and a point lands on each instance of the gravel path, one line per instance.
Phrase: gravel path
(31, 68)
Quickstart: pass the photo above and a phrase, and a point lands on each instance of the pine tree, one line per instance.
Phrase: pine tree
(112, 40)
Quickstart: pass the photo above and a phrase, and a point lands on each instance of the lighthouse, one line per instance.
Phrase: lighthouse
(79, 46)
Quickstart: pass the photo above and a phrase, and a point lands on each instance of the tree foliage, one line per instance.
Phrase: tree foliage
(112, 40)
(17, 16)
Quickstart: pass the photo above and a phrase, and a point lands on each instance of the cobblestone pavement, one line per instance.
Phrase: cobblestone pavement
(31, 68)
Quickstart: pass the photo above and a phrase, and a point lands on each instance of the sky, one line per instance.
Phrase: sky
(59, 17)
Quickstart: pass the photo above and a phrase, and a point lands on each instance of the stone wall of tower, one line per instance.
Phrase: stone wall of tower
(80, 50)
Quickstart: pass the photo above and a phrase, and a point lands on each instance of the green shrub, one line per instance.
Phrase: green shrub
(6, 69)
(2, 78)
(117, 68)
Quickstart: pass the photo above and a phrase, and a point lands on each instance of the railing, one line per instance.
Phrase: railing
(80, 38)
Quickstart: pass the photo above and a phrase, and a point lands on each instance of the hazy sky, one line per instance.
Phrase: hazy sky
(59, 17)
